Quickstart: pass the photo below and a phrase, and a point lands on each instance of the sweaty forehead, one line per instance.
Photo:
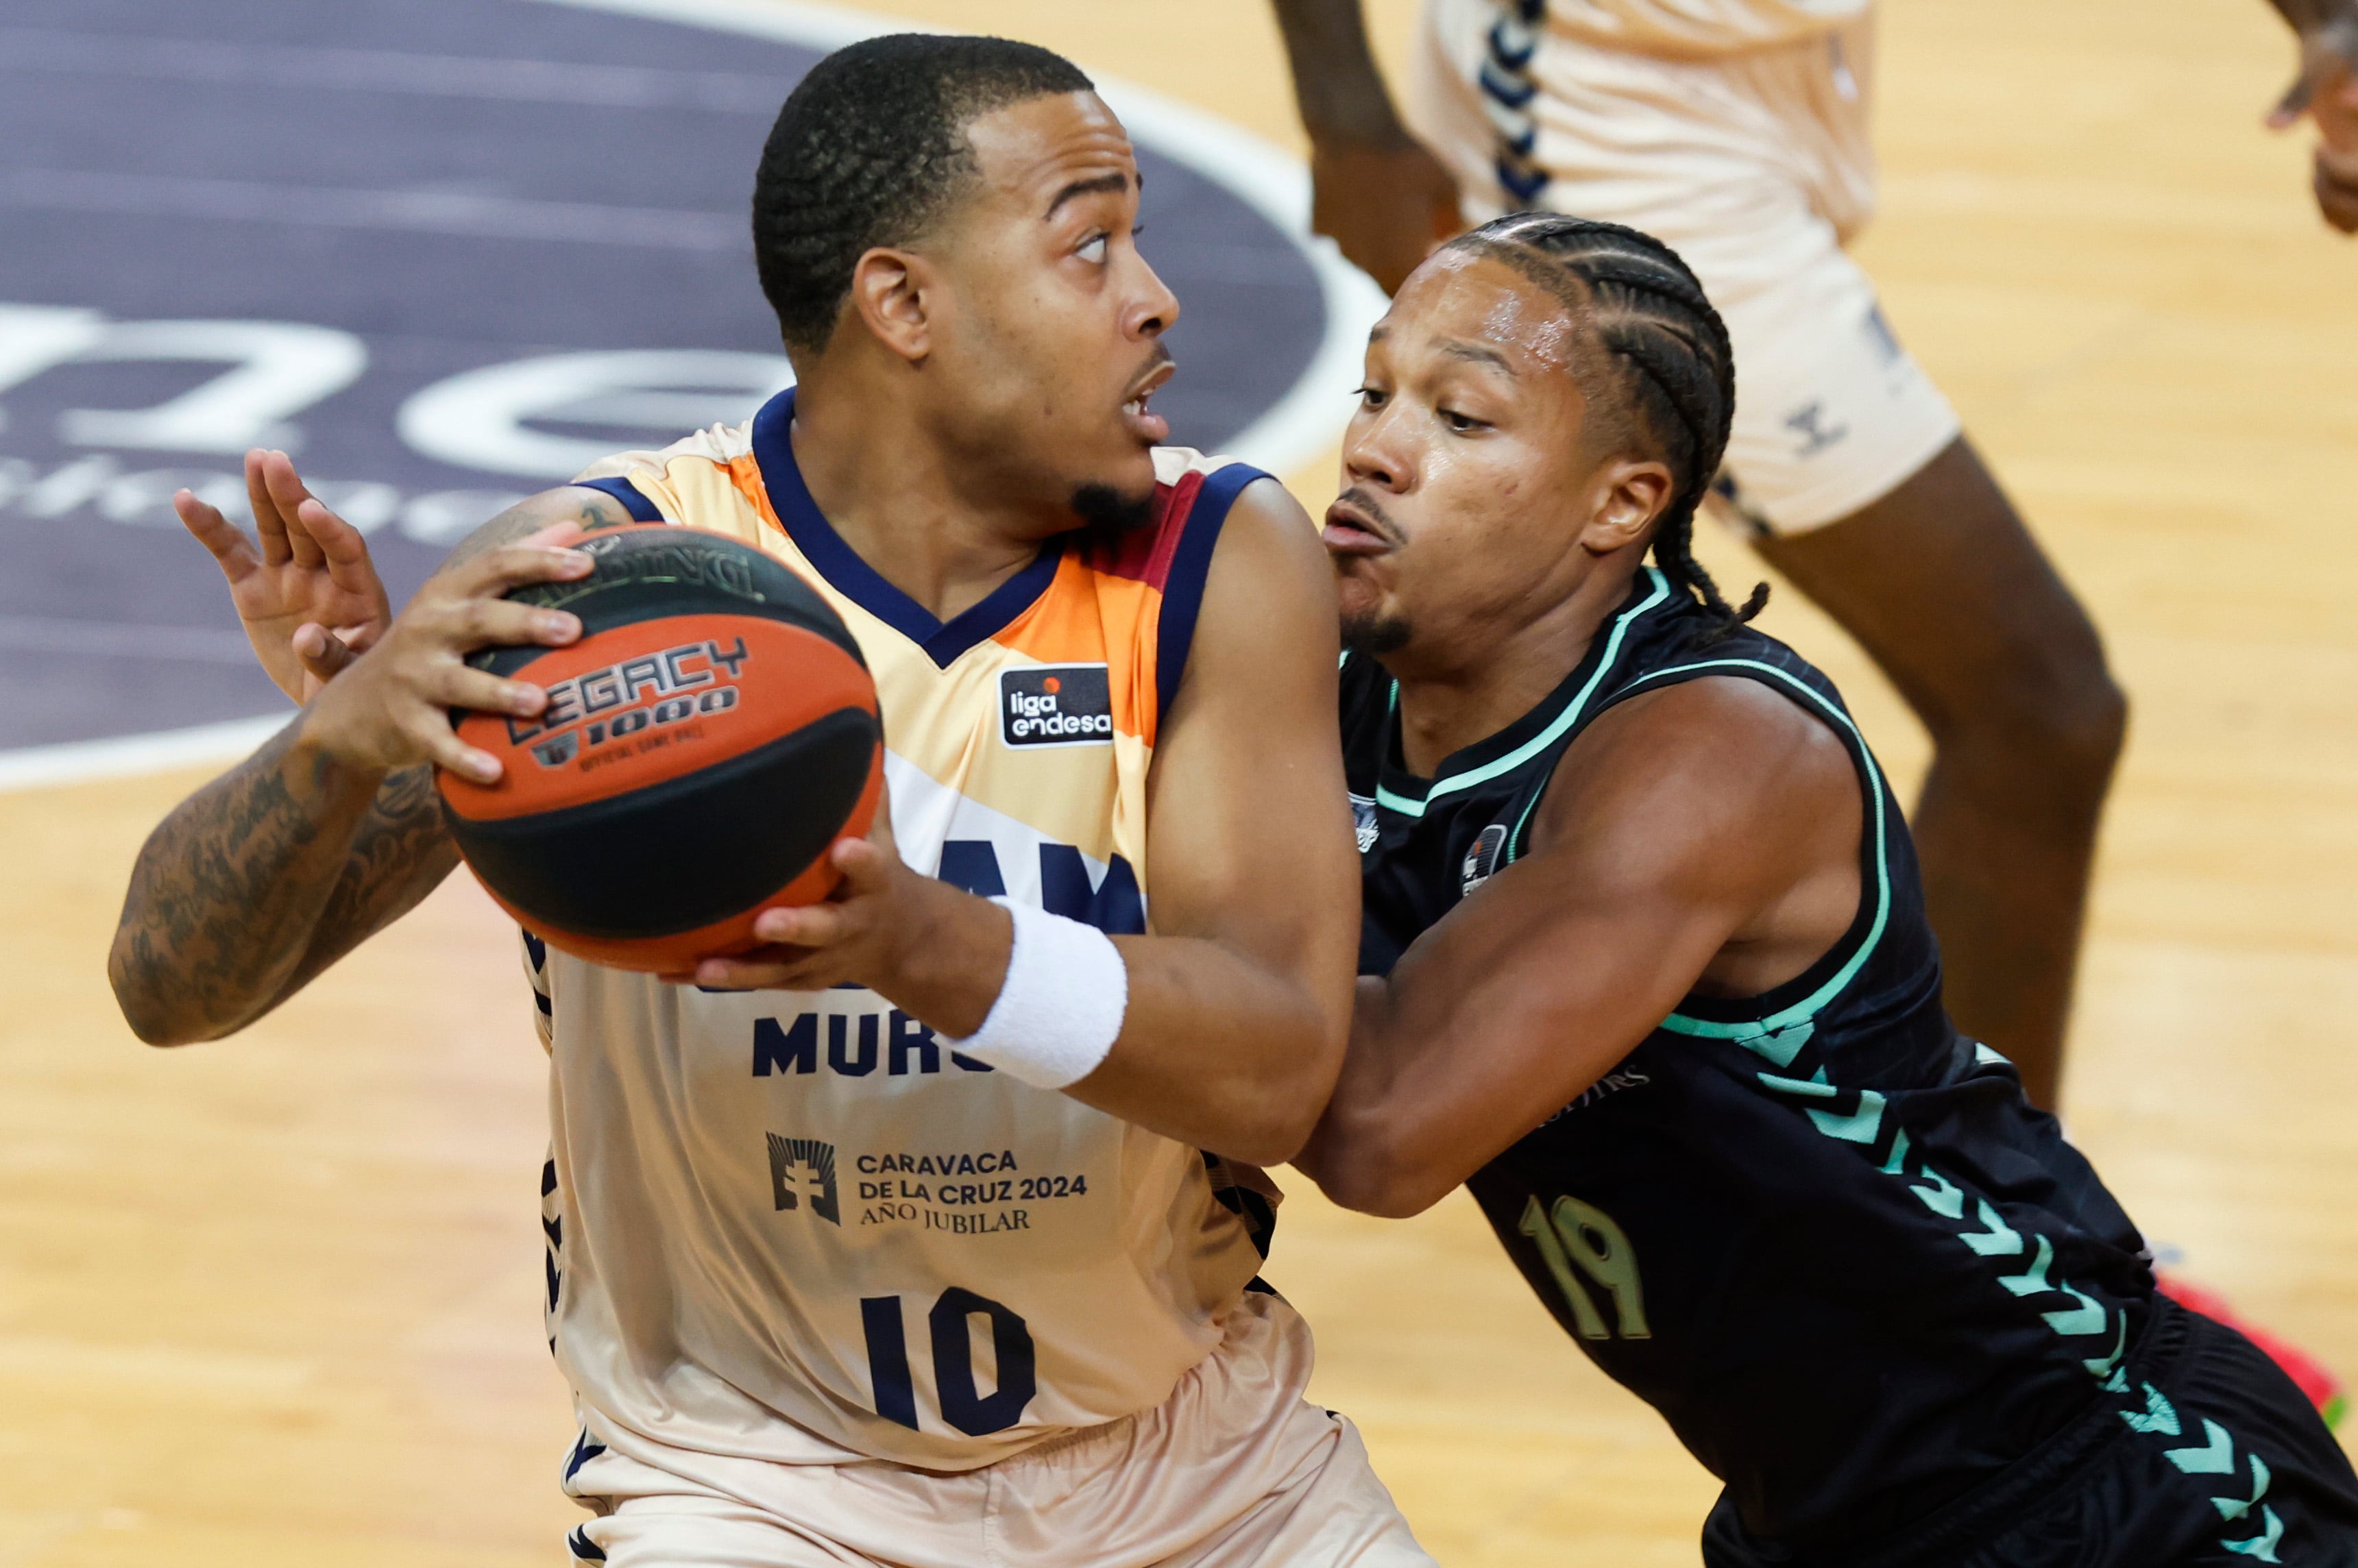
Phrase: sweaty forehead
(1033, 151)
(1465, 298)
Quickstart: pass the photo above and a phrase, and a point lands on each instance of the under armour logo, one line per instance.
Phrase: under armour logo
(1808, 422)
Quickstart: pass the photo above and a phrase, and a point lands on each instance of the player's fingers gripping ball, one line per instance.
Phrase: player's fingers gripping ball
(710, 734)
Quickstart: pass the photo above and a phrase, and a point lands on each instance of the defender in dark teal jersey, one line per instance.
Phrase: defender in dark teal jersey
(1646, 965)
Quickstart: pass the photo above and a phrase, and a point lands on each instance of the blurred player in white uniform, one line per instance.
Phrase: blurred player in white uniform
(1735, 130)
(908, 1238)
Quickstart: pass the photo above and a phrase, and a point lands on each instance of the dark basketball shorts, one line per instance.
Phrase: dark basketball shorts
(2212, 1457)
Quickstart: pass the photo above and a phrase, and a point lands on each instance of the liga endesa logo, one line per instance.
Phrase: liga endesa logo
(1056, 705)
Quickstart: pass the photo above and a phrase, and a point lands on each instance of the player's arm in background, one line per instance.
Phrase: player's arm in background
(1706, 833)
(1240, 999)
(332, 832)
(1375, 190)
(2326, 90)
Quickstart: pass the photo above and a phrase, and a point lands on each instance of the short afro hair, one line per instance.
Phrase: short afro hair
(870, 149)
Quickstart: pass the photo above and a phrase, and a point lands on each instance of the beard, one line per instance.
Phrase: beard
(1375, 634)
(1107, 514)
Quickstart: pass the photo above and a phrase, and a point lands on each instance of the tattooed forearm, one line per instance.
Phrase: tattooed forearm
(274, 871)
(242, 882)
(572, 503)
(401, 853)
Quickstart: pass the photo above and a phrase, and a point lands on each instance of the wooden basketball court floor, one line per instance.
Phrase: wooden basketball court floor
(275, 1301)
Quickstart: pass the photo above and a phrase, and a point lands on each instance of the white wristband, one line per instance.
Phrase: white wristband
(1061, 1006)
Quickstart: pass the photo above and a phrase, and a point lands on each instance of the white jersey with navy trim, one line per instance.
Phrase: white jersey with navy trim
(796, 1228)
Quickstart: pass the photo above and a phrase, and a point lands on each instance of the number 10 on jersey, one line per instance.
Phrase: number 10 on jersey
(964, 1405)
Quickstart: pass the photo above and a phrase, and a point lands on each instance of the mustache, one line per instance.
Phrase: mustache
(1371, 511)
(1154, 361)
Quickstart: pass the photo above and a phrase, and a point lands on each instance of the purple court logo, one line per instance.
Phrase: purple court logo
(488, 242)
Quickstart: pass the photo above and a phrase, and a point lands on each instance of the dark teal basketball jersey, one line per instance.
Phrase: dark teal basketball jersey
(1822, 1234)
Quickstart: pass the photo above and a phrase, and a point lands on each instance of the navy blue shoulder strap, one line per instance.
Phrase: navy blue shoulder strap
(634, 499)
(1190, 567)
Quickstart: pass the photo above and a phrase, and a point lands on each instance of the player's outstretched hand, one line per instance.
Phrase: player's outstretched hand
(2326, 90)
(309, 597)
(390, 707)
(1385, 204)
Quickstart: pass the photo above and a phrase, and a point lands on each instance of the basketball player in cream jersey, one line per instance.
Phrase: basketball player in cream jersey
(911, 1238)
(1737, 131)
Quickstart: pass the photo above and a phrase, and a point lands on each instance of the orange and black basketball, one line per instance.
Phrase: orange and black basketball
(711, 732)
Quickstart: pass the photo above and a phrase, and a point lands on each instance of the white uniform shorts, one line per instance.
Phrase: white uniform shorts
(1755, 167)
(1235, 1468)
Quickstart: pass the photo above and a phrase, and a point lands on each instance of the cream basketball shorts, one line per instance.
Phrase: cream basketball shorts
(1755, 167)
(1235, 1468)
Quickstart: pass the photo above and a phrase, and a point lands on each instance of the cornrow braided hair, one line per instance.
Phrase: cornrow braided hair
(1652, 317)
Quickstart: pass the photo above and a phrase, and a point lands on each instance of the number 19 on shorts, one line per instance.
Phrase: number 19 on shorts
(1574, 1234)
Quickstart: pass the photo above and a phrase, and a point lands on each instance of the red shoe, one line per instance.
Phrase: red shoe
(2323, 1389)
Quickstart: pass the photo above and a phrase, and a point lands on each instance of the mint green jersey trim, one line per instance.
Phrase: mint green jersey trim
(1565, 719)
(1573, 710)
(1807, 1008)
(1548, 737)
(2212, 1452)
(1385, 797)
(2081, 1326)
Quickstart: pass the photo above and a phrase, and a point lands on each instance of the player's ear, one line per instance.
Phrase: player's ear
(1625, 497)
(888, 294)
